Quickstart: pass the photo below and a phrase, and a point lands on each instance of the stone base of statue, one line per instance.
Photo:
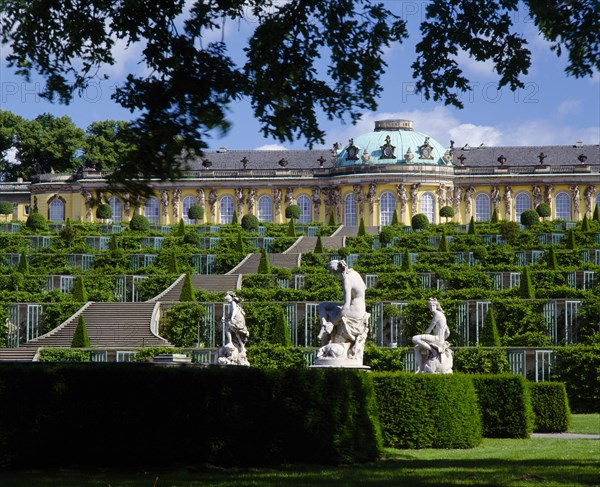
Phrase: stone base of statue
(344, 344)
(230, 355)
(433, 361)
(340, 363)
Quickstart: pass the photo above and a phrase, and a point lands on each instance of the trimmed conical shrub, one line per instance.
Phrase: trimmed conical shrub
(526, 290)
(173, 265)
(395, 218)
(332, 219)
(406, 264)
(362, 230)
(494, 218)
(489, 333)
(239, 246)
(281, 332)
(79, 292)
(234, 218)
(181, 228)
(596, 216)
(187, 290)
(471, 230)
(23, 264)
(443, 246)
(264, 267)
(319, 245)
(552, 261)
(291, 231)
(80, 336)
(571, 245)
(113, 243)
(585, 223)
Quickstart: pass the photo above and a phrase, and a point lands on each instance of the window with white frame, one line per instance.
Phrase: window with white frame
(350, 210)
(428, 206)
(522, 203)
(151, 210)
(562, 206)
(265, 209)
(482, 208)
(186, 204)
(597, 201)
(226, 209)
(305, 205)
(116, 207)
(56, 211)
(387, 205)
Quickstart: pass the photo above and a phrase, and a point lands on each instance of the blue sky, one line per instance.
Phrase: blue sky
(551, 109)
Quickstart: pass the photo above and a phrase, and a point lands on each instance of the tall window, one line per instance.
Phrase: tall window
(428, 206)
(151, 210)
(522, 203)
(226, 209)
(305, 205)
(482, 207)
(350, 210)
(597, 202)
(186, 204)
(562, 206)
(116, 207)
(265, 209)
(387, 205)
(56, 211)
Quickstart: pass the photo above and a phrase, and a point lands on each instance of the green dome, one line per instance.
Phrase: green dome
(393, 142)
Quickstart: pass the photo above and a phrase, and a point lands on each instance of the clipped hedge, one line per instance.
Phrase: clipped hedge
(579, 368)
(221, 416)
(478, 360)
(427, 411)
(505, 406)
(550, 406)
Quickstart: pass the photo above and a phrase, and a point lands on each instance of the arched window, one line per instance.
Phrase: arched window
(265, 209)
(226, 209)
(305, 205)
(56, 211)
(116, 207)
(350, 210)
(387, 205)
(482, 208)
(151, 210)
(597, 202)
(522, 203)
(428, 206)
(562, 206)
(186, 204)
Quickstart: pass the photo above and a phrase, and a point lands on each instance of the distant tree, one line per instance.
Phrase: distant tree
(67, 234)
(187, 290)
(139, 223)
(319, 245)
(196, 212)
(6, 208)
(386, 236)
(332, 222)
(239, 247)
(394, 219)
(234, 218)
(585, 224)
(596, 216)
(526, 290)
(443, 246)
(447, 212)
(264, 267)
(172, 264)
(530, 218)
(23, 264)
(544, 210)
(551, 259)
(494, 218)
(80, 336)
(36, 221)
(472, 229)
(250, 223)
(571, 244)
(9, 126)
(419, 221)
(406, 263)
(80, 294)
(103, 211)
(362, 231)
(293, 211)
(180, 232)
(281, 332)
(106, 144)
(489, 333)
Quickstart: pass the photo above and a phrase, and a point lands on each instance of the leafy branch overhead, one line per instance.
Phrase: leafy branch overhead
(304, 59)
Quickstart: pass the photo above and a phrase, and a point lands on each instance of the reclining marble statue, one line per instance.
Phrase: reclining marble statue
(344, 326)
(233, 351)
(432, 351)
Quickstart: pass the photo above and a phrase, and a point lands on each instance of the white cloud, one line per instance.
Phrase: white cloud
(475, 135)
(570, 106)
(545, 132)
(471, 65)
(271, 147)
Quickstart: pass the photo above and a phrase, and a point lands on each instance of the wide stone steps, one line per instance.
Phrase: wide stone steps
(17, 354)
(250, 265)
(206, 282)
(307, 244)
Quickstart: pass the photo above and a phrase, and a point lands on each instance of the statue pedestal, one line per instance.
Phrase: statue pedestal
(340, 363)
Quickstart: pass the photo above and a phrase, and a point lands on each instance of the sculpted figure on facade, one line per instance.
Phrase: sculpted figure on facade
(414, 198)
(251, 200)
(548, 194)
(87, 196)
(432, 351)
(289, 197)
(126, 205)
(212, 202)
(176, 201)
(344, 326)
(360, 198)
(316, 200)
(239, 199)
(35, 204)
(495, 195)
(402, 200)
(336, 199)
(576, 200)
(470, 191)
(441, 194)
(201, 197)
(371, 195)
(233, 351)
(164, 202)
(277, 200)
(536, 192)
(588, 195)
(458, 192)
(507, 202)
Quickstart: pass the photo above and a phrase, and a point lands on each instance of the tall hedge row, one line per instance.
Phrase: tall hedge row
(427, 411)
(505, 406)
(579, 368)
(109, 414)
(550, 407)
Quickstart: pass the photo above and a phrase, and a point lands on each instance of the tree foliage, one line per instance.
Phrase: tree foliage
(80, 336)
(196, 212)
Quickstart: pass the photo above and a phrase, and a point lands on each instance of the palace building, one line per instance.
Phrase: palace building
(392, 168)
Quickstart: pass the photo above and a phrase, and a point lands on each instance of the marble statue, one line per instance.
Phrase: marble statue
(458, 191)
(87, 196)
(164, 202)
(507, 202)
(239, 197)
(588, 195)
(212, 200)
(495, 194)
(233, 351)
(251, 199)
(469, 192)
(536, 191)
(414, 198)
(175, 203)
(371, 195)
(402, 199)
(316, 199)
(432, 351)
(344, 326)
(548, 194)
(576, 200)
(360, 198)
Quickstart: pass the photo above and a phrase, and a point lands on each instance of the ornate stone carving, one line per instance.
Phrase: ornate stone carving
(316, 200)
(289, 197)
(233, 351)
(371, 194)
(458, 192)
(432, 350)
(588, 195)
(576, 201)
(402, 200)
(239, 198)
(335, 199)
(87, 196)
(212, 201)
(251, 200)
(507, 202)
(536, 192)
(495, 195)
(176, 201)
(360, 198)
(387, 149)
(441, 193)
(414, 198)
(201, 197)
(351, 151)
(126, 205)
(548, 194)
(469, 192)
(164, 203)
(426, 151)
(277, 200)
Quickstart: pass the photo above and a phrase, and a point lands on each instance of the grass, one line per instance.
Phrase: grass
(585, 423)
(497, 462)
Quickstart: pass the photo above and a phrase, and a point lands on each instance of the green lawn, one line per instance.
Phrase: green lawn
(585, 423)
(543, 461)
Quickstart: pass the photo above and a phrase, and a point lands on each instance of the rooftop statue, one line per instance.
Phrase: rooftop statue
(344, 326)
(432, 351)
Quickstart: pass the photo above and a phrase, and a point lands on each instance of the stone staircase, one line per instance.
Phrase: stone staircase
(17, 354)
(307, 244)
(206, 282)
(250, 264)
